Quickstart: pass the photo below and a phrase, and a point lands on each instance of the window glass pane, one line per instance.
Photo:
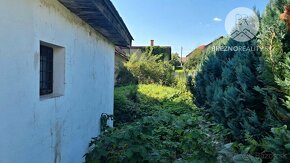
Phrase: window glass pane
(46, 70)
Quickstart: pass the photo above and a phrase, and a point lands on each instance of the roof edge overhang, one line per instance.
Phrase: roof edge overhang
(103, 17)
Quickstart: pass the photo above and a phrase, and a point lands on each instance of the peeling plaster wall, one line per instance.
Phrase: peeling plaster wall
(57, 129)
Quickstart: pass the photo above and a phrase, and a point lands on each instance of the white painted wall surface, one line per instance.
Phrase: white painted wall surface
(57, 129)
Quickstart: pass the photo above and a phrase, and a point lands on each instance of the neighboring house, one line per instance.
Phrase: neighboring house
(166, 50)
(195, 52)
(120, 59)
(199, 49)
(57, 76)
(184, 59)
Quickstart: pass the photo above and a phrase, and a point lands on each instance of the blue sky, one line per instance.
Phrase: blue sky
(186, 23)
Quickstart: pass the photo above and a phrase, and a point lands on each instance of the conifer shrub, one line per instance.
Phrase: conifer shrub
(274, 68)
(248, 92)
(225, 87)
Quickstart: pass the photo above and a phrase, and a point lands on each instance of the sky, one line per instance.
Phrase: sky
(179, 23)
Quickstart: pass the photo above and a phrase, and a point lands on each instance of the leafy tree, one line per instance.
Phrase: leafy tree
(149, 68)
(175, 60)
(163, 52)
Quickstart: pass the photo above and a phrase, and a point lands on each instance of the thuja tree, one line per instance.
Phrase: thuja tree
(225, 88)
(275, 63)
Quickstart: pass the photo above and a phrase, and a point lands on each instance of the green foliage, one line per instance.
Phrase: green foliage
(163, 52)
(248, 92)
(104, 121)
(275, 64)
(175, 60)
(133, 102)
(225, 88)
(162, 137)
(170, 129)
(126, 107)
(278, 144)
(273, 148)
(194, 60)
(125, 77)
(148, 69)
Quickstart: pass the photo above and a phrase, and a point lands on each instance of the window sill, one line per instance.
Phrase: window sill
(50, 96)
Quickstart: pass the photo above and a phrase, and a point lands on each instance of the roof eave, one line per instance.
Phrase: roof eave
(103, 17)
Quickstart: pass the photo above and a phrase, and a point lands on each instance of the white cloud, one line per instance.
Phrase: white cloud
(217, 19)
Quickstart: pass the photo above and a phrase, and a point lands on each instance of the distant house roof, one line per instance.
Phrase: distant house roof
(139, 47)
(184, 59)
(203, 47)
(103, 17)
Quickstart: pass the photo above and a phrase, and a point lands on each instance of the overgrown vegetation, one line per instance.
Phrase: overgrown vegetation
(167, 128)
(175, 61)
(133, 102)
(163, 52)
(148, 69)
(125, 77)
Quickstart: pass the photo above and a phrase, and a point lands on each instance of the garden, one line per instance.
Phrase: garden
(229, 106)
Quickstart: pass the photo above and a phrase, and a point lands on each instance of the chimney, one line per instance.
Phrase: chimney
(152, 42)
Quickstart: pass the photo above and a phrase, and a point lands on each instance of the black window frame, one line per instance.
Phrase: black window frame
(46, 70)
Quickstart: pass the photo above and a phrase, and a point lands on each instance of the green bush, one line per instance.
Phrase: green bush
(167, 128)
(148, 69)
(275, 63)
(248, 92)
(278, 145)
(164, 53)
(273, 148)
(225, 88)
(125, 77)
(175, 61)
(164, 136)
(126, 107)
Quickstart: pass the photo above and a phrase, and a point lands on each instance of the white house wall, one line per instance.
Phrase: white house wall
(35, 130)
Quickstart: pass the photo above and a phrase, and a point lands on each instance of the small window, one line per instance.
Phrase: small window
(52, 71)
(46, 70)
